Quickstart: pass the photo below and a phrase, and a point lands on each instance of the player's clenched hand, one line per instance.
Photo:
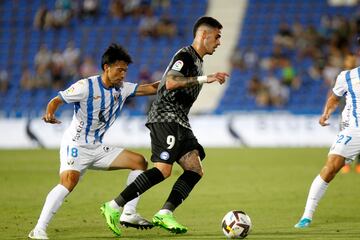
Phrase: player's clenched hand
(323, 120)
(50, 118)
(217, 77)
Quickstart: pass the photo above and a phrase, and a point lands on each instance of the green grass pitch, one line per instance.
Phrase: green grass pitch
(271, 185)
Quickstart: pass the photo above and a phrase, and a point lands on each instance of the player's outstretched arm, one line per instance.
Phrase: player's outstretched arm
(175, 82)
(147, 89)
(217, 77)
(330, 106)
(51, 108)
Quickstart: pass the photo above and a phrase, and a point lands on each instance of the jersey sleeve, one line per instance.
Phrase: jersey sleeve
(130, 89)
(75, 93)
(182, 64)
(339, 88)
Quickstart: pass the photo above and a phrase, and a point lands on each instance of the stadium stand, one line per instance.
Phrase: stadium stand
(257, 42)
(20, 41)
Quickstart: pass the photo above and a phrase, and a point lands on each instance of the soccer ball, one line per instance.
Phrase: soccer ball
(236, 224)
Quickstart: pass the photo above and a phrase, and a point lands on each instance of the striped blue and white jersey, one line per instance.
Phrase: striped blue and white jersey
(348, 85)
(95, 108)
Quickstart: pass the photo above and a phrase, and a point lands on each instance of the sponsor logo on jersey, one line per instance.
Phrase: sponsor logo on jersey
(69, 90)
(178, 65)
(79, 128)
(164, 155)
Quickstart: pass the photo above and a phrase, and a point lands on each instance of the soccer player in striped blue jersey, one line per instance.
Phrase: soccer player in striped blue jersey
(97, 101)
(347, 144)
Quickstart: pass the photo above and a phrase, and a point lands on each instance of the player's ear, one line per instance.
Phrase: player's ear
(201, 32)
(204, 34)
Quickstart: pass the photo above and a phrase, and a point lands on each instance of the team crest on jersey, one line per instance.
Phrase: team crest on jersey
(164, 155)
(69, 90)
(116, 97)
(178, 65)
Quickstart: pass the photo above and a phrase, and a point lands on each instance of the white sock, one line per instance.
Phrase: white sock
(165, 211)
(130, 207)
(53, 202)
(317, 190)
(113, 204)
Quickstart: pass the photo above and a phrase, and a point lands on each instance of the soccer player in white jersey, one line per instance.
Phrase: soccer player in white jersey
(97, 103)
(347, 143)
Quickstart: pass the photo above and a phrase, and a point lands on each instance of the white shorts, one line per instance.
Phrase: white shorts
(80, 158)
(347, 143)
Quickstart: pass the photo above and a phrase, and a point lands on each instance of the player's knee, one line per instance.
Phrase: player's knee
(332, 167)
(194, 167)
(199, 171)
(336, 163)
(164, 168)
(165, 172)
(69, 179)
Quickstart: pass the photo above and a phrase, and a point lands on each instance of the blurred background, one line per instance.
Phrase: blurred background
(283, 58)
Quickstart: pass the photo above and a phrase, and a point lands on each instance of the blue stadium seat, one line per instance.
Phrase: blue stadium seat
(19, 43)
(261, 23)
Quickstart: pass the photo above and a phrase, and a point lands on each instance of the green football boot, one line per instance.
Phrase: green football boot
(168, 222)
(112, 218)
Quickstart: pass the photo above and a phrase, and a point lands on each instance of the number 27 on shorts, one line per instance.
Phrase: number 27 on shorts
(343, 139)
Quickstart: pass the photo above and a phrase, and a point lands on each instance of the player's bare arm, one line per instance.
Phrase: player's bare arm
(147, 89)
(330, 106)
(175, 82)
(51, 108)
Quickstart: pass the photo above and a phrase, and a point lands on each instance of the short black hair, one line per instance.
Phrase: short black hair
(113, 53)
(208, 21)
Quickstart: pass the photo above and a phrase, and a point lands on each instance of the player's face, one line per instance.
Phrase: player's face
(116, 73)
(212, 40)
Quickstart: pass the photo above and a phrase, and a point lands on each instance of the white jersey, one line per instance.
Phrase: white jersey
(95, 109)
(348, 84)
